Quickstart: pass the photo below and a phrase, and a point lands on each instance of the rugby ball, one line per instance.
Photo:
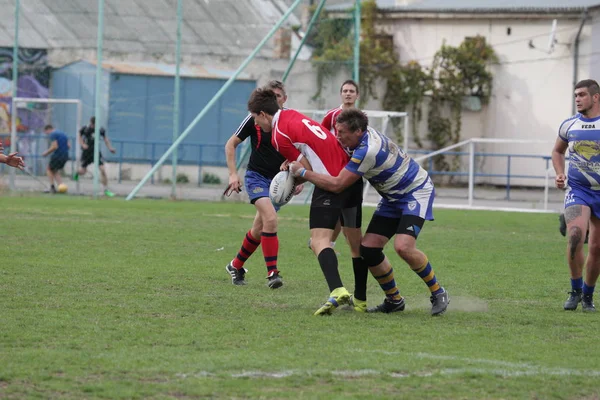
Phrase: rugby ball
(282, 188)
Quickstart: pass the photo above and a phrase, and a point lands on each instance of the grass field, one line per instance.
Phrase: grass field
(113, 299)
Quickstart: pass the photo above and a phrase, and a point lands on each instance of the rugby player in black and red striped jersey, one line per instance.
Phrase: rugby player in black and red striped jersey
(265, 162)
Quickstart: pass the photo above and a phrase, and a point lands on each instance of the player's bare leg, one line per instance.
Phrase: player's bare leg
(336, 231)
(249, 245)
(269, 240)
(257, 226)
(57, 178)
(371, 250)
(361, 271)
(50, 175)
(577, 218)
(265, 221)
(353, 238)
(104, 180)
(592, 265)
(336, 234)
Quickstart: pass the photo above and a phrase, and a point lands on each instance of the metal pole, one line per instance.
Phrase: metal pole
(386, 121)
(308, 29)
(213, 100)
(440, 151)
(546, 188)
(471, 171)
(576, 54)
(98, 97)
(77, 146)
(176, 98)
(508, 178)
(14, 111)
(357, 15)
(406, 128)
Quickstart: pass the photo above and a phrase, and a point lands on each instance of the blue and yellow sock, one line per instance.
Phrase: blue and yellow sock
(426, 273)
(388, 285)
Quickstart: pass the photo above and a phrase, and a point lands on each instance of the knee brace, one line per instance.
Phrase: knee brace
(372, 255)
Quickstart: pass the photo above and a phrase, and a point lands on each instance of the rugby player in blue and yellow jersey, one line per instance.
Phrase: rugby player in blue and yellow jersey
(581, 135)
(407, 198)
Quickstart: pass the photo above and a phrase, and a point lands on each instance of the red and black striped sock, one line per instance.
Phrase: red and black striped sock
(270, 249)
(249, 245)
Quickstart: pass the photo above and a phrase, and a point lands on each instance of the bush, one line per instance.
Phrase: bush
(211, 179)
(182, 178)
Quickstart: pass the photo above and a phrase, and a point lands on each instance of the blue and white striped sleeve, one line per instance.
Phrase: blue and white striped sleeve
(563, 130)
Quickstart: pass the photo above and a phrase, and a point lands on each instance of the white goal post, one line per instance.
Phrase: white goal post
(379, 120)
(19, 102)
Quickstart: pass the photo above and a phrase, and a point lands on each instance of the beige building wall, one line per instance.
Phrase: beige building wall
(532, 91)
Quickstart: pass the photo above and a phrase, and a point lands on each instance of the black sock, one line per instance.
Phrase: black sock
(361, 273)
(329, 266)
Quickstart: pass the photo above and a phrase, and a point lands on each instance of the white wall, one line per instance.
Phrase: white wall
(532, 91)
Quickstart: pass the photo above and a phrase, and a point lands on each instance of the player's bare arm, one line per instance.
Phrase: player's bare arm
(109, 145)
(81, 142)
(284, 166)
(12, 160)
(558, 161)
(234, 180)
(51, 149)
(335, 184)
(304, 163)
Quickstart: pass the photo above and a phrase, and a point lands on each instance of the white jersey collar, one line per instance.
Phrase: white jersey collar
(275, 118)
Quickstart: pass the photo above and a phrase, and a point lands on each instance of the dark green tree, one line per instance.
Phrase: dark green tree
(455, 74)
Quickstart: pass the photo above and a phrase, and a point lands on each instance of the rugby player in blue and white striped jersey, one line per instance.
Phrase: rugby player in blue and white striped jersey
(581, 135)
(407, 198)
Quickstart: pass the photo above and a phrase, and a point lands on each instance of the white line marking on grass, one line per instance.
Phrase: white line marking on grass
(527, 372)
(263, 374)
(353, 374)
(512, 368)
(68, 219)
(243, 374)
(501, 368)
(248, 216)
(20, 211)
